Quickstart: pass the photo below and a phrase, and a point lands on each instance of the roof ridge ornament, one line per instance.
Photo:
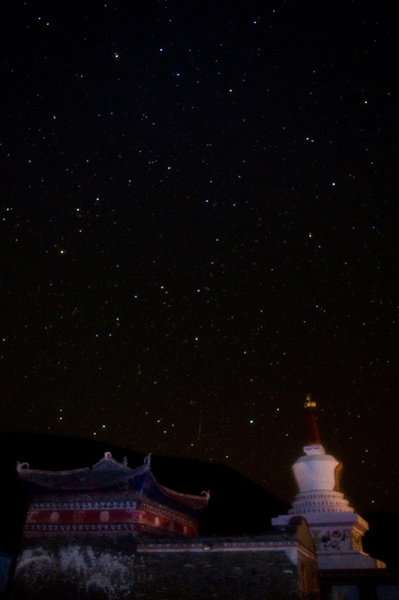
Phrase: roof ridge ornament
(147, 460)
(107, 455)
(21, 466)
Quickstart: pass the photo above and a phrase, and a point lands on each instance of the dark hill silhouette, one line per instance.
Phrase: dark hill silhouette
(237, 505)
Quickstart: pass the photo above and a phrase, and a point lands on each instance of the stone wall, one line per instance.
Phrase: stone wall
(196, 575)
(118, 567)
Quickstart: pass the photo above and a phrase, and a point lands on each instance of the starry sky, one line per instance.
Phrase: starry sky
(199, 218)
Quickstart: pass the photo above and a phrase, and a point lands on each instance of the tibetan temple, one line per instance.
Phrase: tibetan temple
(109, 497)
(111, 532)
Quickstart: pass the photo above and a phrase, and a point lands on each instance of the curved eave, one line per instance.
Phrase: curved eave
(195, 502)
(184, 503)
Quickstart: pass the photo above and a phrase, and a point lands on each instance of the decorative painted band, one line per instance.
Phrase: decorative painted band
(138, 528)
(95, 507)
(82, 505)
(97, 520)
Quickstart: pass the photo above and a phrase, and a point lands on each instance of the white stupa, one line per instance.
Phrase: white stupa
(336, 529)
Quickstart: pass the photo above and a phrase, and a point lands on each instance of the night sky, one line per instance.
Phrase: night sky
(199, 226)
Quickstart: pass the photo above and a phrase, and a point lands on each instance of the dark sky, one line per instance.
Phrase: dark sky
(199, 227)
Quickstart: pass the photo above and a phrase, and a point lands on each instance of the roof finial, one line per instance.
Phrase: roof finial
(312, 433)
(21, 466)
(309, 402)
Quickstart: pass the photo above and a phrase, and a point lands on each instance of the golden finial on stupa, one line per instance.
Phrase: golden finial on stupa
(313, 435)
(309, 402)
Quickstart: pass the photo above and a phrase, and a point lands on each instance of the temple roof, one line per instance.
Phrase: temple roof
(109, 476)
(106, 473)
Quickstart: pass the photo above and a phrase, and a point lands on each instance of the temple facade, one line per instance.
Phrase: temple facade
(336, 529)
(114, 532)
(108, 497)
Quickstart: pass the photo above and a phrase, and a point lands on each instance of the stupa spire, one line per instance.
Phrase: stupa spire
(312, 429)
